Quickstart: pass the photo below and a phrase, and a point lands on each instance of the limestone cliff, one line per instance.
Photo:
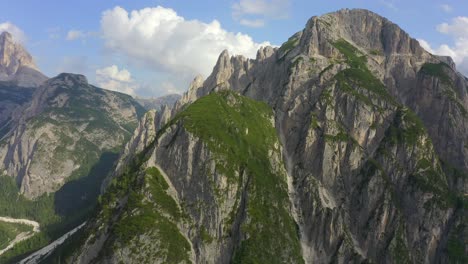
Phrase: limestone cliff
(16, 64)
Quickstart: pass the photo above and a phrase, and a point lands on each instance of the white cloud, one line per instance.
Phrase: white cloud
(111, 78)
(75, 34)
(166, 42)
(16, 32)
(254, 13)
(446, 8)
(458, 29)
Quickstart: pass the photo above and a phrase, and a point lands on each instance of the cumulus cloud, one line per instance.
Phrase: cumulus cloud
(254, 13)
(16, 32)
(111, 78)
(458, 29)
(161, 39)
(446, 8)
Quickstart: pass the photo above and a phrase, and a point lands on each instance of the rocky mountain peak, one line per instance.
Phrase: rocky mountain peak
(16, 64)
(226, 67)
(362, 28)
(71, 78)
(191, 95)
(46, 94)
(13, 55)
(67, 81)
(264, 53)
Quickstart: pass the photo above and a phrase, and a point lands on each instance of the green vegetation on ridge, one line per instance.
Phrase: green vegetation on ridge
(239, 132)
(155, 216)
(359, 75)
(288, 45)
(437, 70)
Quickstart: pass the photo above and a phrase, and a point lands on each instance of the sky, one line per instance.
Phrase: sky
(151, 48)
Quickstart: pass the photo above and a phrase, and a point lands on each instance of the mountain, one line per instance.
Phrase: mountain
(16, 64)
(18, 78)
(158, 102)
(348, 144)
(12, 98)
(64, 130)
(58, 148)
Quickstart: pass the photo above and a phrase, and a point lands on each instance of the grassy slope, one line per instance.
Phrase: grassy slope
(8, 231)
(358, 78)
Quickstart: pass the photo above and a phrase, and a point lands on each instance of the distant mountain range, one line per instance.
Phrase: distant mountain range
(158, 102)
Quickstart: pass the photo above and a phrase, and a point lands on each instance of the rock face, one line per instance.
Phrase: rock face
(356, 153)
(17, 65)
(18, 78)
(12, 98)
(63, 132)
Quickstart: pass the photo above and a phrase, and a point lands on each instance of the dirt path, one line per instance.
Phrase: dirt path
(22, 236)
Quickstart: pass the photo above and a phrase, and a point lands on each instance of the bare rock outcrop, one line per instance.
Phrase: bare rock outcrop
(17, 65)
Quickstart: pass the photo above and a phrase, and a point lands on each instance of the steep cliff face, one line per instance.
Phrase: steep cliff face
(63, 132)
(18, 78)
(11, 99)
(363, 159)
(16, 64)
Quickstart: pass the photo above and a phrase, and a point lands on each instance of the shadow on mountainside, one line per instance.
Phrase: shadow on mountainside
(81, 194)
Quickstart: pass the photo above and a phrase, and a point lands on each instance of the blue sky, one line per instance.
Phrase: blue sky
(162, 45)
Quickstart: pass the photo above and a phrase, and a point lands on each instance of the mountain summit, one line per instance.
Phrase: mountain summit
(16, 64)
